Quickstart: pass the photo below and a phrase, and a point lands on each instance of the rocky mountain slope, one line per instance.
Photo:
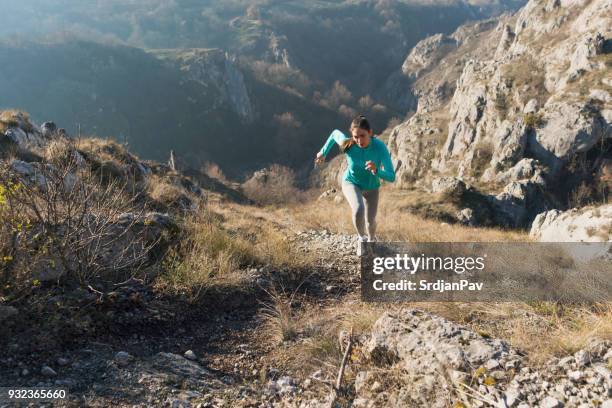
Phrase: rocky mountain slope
(518, 106)
(200, 103)
(98, 255)
(263, 77)
(312, 37)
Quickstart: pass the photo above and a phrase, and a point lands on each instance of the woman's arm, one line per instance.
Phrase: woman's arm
(335, 137)
(387, 172)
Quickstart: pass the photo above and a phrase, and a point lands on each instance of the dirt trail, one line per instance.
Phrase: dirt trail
(141, 361)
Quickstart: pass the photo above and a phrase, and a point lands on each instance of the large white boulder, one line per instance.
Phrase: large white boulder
(575, 225)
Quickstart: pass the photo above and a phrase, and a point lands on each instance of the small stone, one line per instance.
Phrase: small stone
(361, 380)
(491, 364)
(498, 374)
(575, 375)
(511, 364)
(512, 396)
(62, 361)
(25, 372)
(285, 385)
(603, 371)
(582, 358)
(123, 358)
(190, 355)
(284, 381)
(551, 402)
(48, 371)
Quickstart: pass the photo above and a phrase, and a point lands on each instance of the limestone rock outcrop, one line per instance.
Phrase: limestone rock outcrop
(521, 102)
(586, 224)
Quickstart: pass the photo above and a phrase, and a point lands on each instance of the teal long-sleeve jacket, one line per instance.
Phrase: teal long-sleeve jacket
(357, 157)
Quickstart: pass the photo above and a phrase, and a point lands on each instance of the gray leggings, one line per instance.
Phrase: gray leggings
(364, 204)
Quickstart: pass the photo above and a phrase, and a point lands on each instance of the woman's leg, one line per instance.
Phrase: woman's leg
(355, 199)
(371, 207)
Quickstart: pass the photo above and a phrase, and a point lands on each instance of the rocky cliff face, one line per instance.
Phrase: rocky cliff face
(217, 68)
(519, 105)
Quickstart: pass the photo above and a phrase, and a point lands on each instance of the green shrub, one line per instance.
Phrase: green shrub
(533, 120)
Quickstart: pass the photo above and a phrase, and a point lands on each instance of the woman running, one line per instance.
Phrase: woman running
(368, 161)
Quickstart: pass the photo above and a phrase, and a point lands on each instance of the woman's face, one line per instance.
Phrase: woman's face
(361, 136)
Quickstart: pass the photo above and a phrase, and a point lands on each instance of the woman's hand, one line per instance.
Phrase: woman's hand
(320, 158)
(371, 167)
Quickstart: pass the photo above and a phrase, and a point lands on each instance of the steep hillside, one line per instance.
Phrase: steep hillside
(128, 283)
(268, 77)
(318, 37)
(200, 103)
(519, 107)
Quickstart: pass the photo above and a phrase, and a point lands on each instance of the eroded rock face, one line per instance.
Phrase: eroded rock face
(429, 349)
(588, 225)
(218, 68)
(569, 128)
(24, 134)
(449, 186)
(426, 53)
(422, 358)
(518, 203)
(524, 108)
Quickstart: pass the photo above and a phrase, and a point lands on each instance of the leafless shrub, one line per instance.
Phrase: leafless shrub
(338, 95)
(287, 120)
(365, 102)
(282, 76)
(274, 185)
(581, 195)
(347, 111)
(64, 223)
(214, 171)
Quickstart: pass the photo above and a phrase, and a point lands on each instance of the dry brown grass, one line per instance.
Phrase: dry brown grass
(161, 190)
(526, 75)
(395, 223)
(105, 149)
(219, 242)
(542, 329)
(318, 332)
(275, 187)
(14, 118)
(167, 195)
(278, 316)
(207, 255)
(213, 170)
